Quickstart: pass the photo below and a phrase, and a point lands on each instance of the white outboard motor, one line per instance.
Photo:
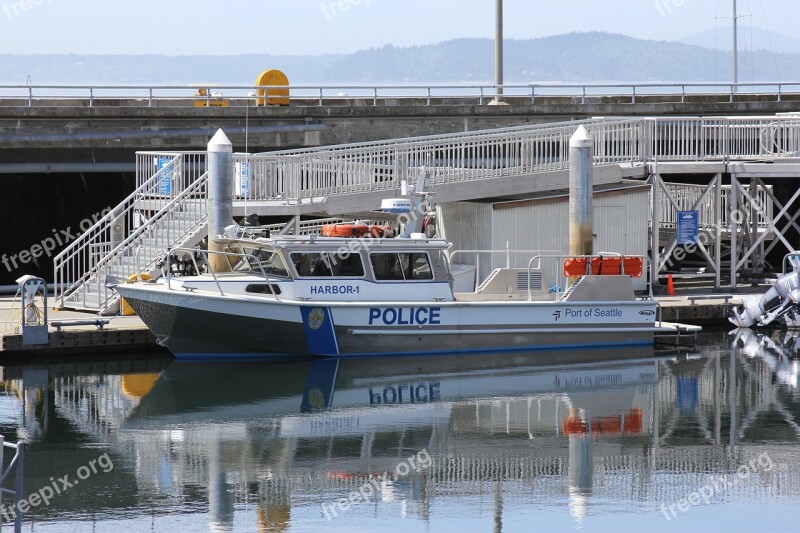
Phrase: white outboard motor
(778, 301)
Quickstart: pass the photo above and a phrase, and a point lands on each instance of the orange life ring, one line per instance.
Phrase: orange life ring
(356, 230)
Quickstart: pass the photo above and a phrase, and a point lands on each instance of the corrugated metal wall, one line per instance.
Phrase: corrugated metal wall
(621, 225)
(468, 225)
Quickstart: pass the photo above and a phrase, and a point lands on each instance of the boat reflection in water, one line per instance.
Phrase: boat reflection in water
(465, 442)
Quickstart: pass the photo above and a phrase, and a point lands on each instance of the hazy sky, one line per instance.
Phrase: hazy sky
(319, 26)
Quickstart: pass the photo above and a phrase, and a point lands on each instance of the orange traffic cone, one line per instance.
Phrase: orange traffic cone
(670, 286)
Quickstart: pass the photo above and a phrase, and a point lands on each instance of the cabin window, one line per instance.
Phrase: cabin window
(256, 260)
(401, 267)
(328, 264)
(263, 288)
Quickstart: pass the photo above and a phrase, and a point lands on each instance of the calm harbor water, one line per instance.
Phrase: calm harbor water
(637, 440)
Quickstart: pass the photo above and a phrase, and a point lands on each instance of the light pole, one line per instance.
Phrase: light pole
(498, 47)
(735, 47)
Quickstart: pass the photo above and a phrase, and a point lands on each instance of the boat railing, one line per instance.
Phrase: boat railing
(647, 263)
(508, 253)
(792, 259)
(228, 255)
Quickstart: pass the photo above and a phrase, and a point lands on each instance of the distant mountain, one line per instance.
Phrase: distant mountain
(575, 57)
(750, 38)
(156, 69)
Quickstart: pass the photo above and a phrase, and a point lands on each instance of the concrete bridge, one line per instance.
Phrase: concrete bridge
(69, 129)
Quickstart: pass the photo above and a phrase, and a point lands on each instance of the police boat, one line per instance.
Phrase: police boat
(356, 290)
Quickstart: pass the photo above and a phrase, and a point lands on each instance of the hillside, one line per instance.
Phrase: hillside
(577, 57)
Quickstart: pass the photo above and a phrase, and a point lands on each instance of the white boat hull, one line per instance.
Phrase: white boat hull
(196, 326)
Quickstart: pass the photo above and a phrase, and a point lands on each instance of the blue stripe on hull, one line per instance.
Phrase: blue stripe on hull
(320, 330)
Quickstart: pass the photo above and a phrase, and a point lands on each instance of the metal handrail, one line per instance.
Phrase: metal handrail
(16, 465)
(795, 253)
(192, 251)
(75, 249)
(151, 223)
(341, 170)
(505, 252)
(319, 94)
(182, 170)
(647, 262)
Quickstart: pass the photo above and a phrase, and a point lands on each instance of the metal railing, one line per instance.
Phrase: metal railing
(15, 466)
(295, 175)
(715, 139)
(192, 252)
(507, 253)
(314, 227)
(647, 268)
(76, 263)
(340, 170)
(141, 251)
(63, 95)
(142, 214)
(686, 195)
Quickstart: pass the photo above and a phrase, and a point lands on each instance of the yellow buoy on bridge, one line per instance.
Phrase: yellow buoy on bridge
(277, 88)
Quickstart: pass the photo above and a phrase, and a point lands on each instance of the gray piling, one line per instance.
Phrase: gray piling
(581, 182)
(220, 195)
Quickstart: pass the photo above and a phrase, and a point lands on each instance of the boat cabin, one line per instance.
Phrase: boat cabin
(330, 268)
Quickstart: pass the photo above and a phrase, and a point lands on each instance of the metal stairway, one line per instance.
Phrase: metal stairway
(167, 211)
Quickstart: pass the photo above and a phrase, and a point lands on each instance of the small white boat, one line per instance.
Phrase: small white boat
(369, 294)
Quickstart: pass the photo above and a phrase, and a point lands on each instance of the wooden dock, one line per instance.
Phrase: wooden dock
(120, 334)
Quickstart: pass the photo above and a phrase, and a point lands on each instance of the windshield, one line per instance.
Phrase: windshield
(257, 259)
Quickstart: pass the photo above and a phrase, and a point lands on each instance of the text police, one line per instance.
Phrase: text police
(408, 316)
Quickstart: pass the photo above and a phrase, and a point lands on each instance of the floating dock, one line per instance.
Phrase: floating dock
(94, 335)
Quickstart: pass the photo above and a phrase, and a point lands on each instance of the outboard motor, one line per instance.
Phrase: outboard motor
(777, 301)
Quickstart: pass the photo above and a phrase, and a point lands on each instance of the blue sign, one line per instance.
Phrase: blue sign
(243, 171)
(165, 181)
(688, 227)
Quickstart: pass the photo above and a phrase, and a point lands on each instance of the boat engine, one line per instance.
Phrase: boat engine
(779, 301)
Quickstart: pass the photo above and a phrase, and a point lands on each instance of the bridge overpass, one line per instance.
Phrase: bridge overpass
(84, 128)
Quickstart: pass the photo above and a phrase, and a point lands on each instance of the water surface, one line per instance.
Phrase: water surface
(554, 441)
